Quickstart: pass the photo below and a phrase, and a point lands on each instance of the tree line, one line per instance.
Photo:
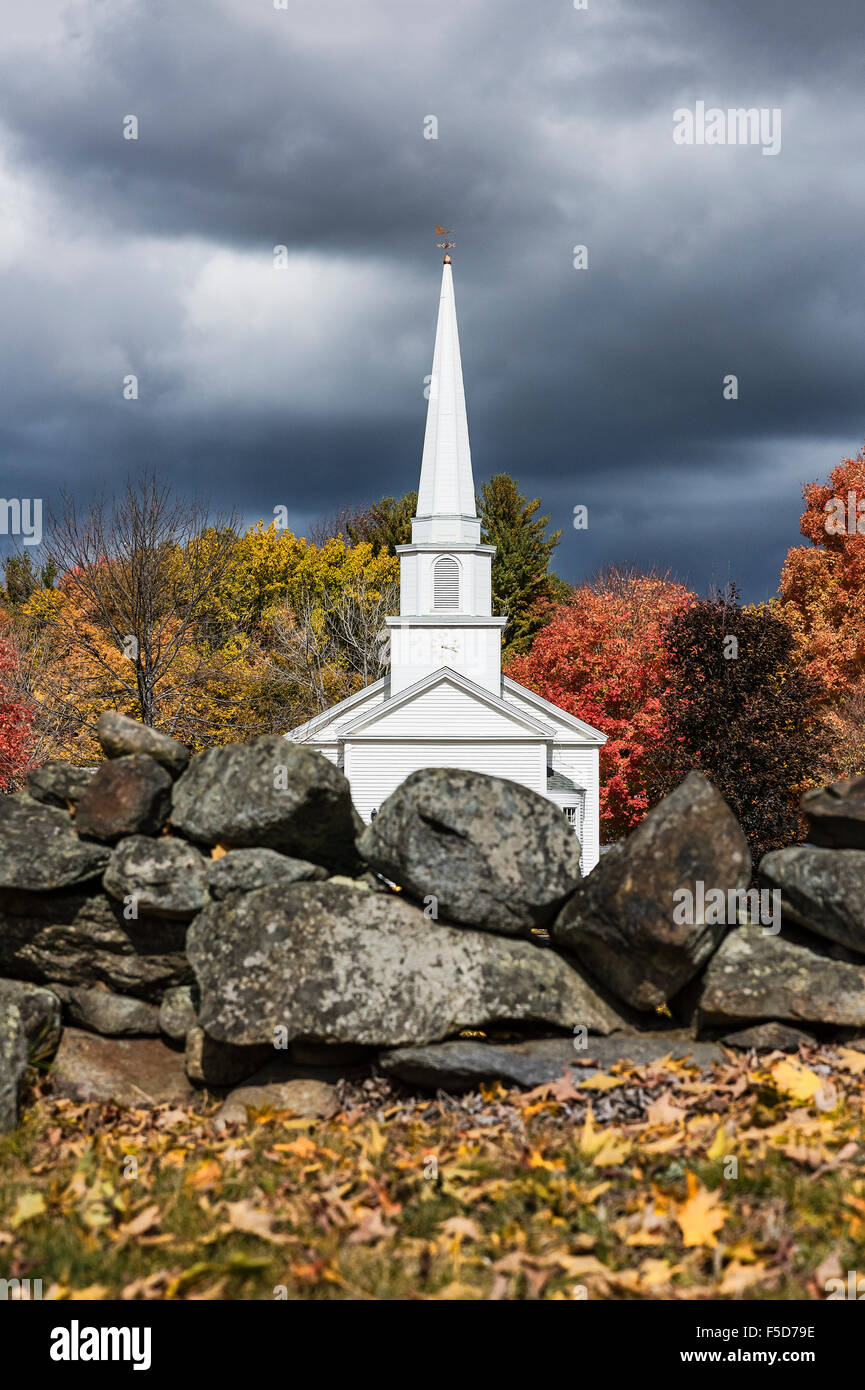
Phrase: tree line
(148, 603)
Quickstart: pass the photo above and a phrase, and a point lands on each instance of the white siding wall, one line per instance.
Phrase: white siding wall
(580, 763)
(375, 769)
(473, 651)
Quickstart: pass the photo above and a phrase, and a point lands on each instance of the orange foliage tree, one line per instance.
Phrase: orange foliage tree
(603, 657)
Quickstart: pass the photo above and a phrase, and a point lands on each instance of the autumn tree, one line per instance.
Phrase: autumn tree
(136, 578)
(822, 591)
(16, 718)
(741, 708)
(603, 656)
(384, 525)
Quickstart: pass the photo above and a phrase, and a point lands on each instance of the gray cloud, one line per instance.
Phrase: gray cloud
(304, 387)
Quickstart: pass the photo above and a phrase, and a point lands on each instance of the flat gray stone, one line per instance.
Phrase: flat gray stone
(137, 1073)
(164, 876)
(112, 1015)
(329, 963)
(755, 976)
(39, 849)
(121, 737)
(821, 889)
(464, 1063)
(484, 852)
(243, 870)
(768, 1037)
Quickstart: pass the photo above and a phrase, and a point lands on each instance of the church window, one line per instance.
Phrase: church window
(446, 583)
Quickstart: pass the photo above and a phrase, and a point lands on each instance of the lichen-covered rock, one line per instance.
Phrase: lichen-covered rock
(755, 976)
(821, 889)
(112, 1015)
(59, 784)
(330, 963)
(13, 1064)
(622, 920)
(243, 870)
(120, 737)
(177, 1013)
(40, 1015)
(163, 876)
(137, 1073)
(489, 853)
(270, 793)
(130, 796)
(836, 814)
(39, 849)
(77, 939)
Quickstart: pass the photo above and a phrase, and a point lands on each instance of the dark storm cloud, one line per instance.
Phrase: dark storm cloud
(304, 387)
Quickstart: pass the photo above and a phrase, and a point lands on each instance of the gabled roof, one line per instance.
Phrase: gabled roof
(545, 707)
(445, 674)
(303, 731)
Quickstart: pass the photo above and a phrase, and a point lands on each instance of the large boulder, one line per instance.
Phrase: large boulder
(138, 1073)
(163, 876)
(836, 814)
(39, 849)
(130, 796)
(40, 1015)
(242, 870)
(13, 1064)
(622, 922)
(821, 889)
(756, 976)
(120, 736)
(76, 939)
(272, 793)
(330, 963)
(491, 854)
(59, 784)
(464, 1063)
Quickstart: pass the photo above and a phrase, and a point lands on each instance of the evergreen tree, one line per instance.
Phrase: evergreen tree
(523, 586)
(384, 525)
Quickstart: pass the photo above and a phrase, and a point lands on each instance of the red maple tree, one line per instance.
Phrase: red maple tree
(16, 721)
(603, 658)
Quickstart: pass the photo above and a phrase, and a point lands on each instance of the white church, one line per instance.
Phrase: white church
(444, 701)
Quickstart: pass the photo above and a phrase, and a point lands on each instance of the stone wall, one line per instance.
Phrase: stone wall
(169, 923)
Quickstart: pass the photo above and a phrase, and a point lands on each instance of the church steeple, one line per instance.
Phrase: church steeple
(447, 489)
(446, 617)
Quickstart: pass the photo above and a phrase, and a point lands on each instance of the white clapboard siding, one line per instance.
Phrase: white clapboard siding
(376, 769)
(444, 711)
(581, 765)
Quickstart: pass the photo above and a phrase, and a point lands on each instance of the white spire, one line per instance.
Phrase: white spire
(446, 483)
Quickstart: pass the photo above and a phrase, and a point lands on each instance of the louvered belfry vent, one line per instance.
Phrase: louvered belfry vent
(446, 583)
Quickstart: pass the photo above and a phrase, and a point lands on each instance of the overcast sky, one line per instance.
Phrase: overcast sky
(304, 127)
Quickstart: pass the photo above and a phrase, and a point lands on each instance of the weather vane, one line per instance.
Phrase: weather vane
(445, 245)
